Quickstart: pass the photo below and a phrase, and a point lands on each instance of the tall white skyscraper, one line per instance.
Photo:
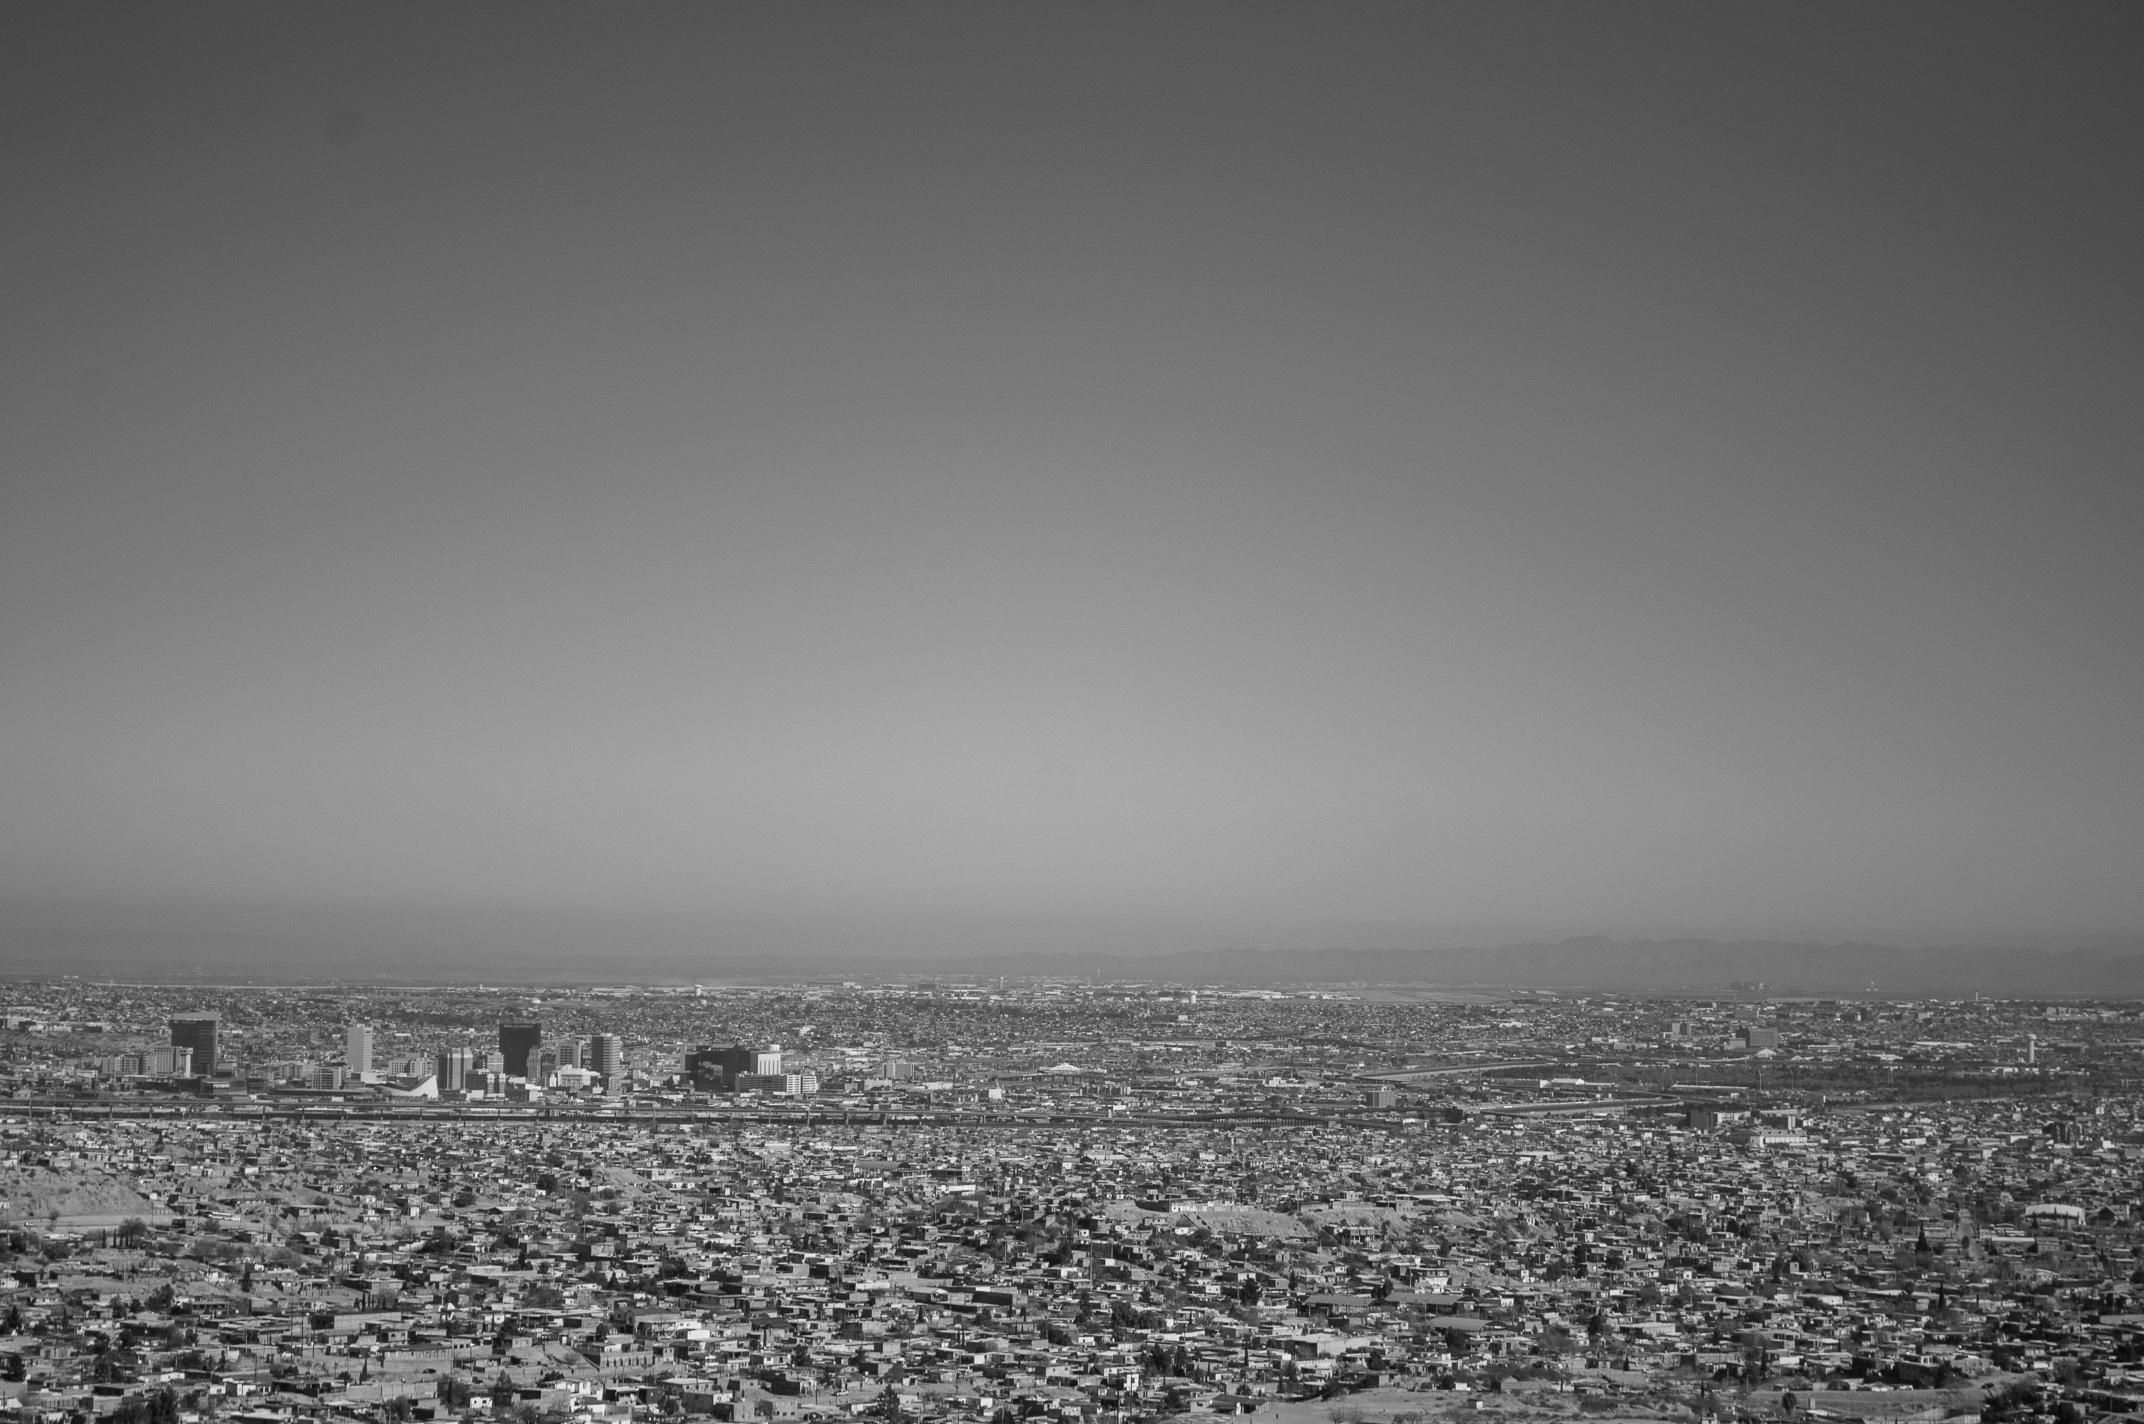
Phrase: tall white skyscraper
(357, 1052)
(606, 1055)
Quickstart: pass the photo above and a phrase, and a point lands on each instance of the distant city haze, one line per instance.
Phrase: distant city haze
(697, 483)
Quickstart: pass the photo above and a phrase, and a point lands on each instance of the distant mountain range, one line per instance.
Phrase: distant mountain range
(1594, 963)
(1671, 965)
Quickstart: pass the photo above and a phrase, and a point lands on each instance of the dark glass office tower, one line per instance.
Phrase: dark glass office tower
(516, 1042)
(198, 1032)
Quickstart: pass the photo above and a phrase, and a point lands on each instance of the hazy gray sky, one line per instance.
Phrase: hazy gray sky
(1196, 471)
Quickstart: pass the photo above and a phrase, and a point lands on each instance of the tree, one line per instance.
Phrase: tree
(2013, 1399)
(162, 1407)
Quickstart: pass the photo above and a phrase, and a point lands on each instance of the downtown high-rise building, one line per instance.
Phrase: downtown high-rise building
(519, 1045)
(357, 1052)
(606, 1056)
(715, 1070)
(197, 1031)
(455, 1068)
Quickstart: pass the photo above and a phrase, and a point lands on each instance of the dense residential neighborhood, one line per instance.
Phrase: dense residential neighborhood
(1065, 1201)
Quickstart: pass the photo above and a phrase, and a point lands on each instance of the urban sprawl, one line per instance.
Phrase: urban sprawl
(976, 1200)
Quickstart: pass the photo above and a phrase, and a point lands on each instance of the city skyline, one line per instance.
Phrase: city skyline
(978, 1203)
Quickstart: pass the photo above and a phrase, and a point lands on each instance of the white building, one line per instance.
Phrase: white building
(357, 1053)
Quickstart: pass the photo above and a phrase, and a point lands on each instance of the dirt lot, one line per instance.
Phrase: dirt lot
(1382, 1406)
(32, 1196)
